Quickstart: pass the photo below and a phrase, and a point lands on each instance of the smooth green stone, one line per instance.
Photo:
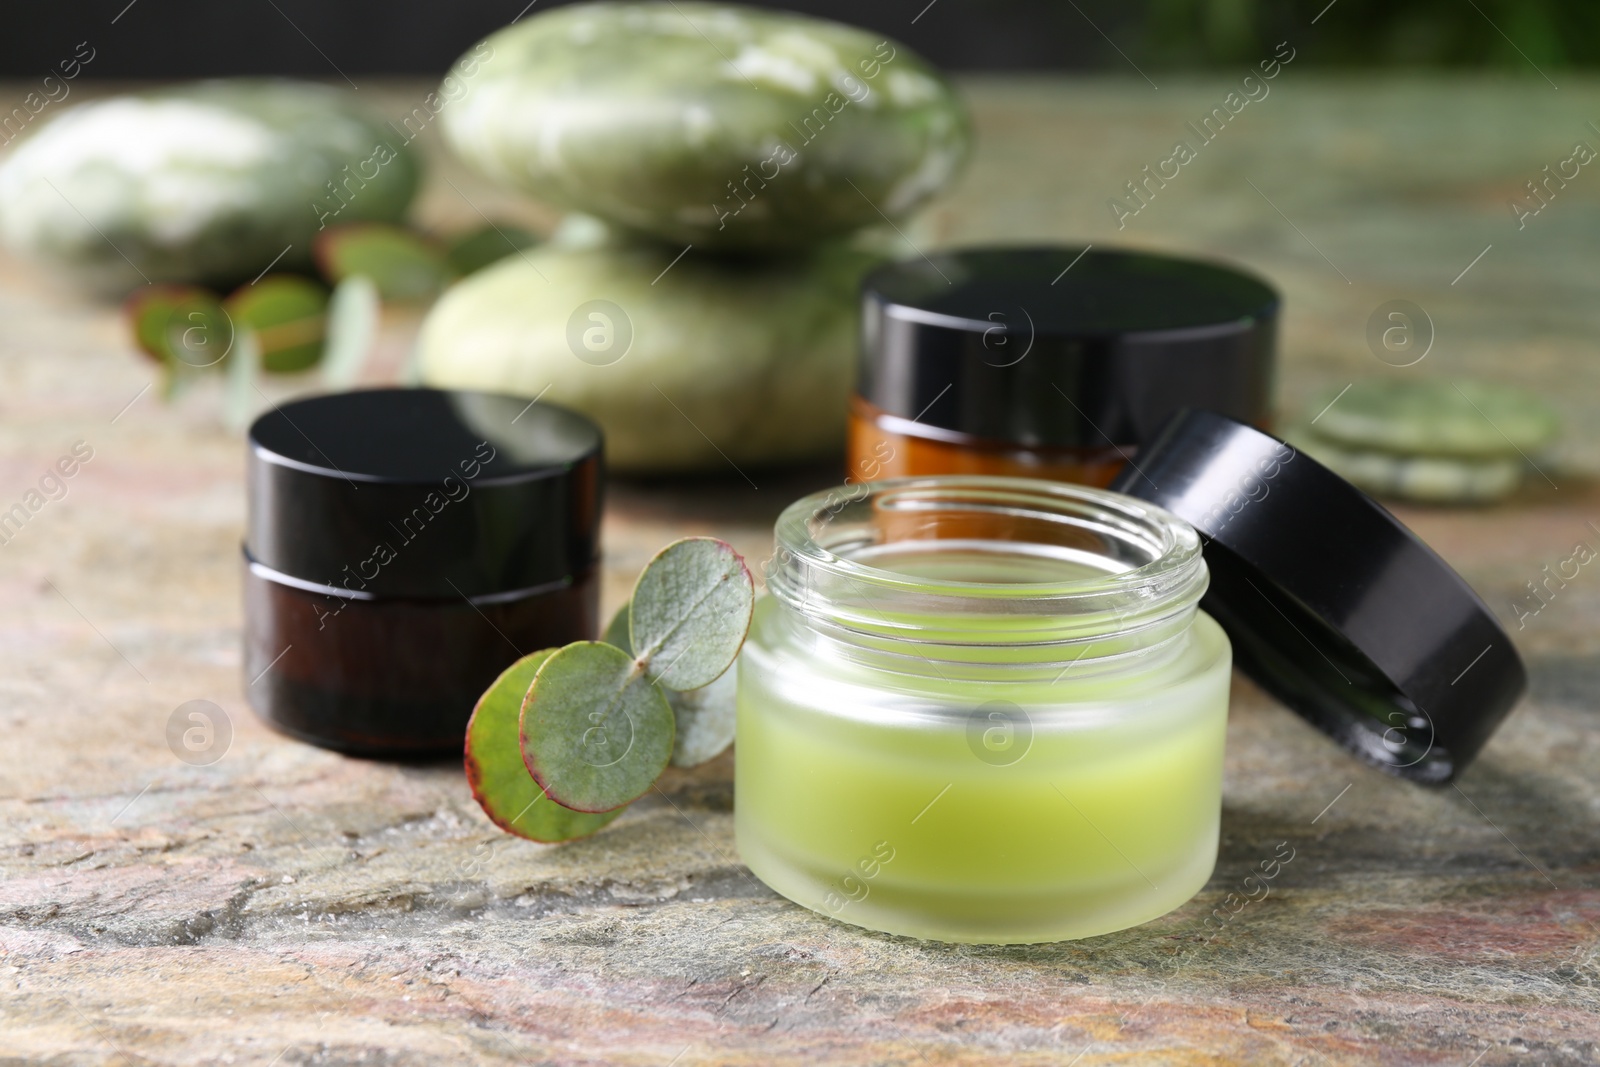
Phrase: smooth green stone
(1437, 417)
(1423, 479)
(206, 182)
(714, 363)
(711, 124)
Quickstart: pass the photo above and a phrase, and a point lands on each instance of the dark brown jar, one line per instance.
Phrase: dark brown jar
(402, 548)
(1050, 362)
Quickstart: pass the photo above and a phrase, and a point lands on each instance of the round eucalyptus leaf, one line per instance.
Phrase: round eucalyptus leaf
(352, 328)
(289, 316)
(403, 264)
(705, 719)
(240, 374)
(617, 631)
(500, 781)
(690, 612)
(181, 327)
(595, 732)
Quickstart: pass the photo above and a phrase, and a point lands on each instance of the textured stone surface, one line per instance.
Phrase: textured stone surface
(695, 351)
(289, 905)
(720, 126)
(198, 183)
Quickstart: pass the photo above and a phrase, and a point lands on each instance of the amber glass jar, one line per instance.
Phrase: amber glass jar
(1050, 362)
(882, 445)
(403, 547)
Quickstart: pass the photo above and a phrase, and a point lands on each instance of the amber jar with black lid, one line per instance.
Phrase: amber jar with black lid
(1050, 361)
(404, 546)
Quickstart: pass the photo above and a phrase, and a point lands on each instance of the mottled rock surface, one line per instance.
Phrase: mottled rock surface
(724, 126)
(287, 905)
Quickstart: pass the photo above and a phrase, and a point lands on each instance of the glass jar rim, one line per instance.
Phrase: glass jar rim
(1173, 567)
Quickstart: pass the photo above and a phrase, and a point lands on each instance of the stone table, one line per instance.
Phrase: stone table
(288, 905)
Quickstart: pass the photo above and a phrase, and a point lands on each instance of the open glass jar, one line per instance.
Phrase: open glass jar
(982, 709)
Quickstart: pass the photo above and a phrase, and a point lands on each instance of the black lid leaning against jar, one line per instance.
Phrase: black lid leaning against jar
(1332, 605)
(424, 494)
(1064, 346)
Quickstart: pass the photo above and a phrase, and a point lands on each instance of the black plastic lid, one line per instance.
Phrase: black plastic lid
(423, 493)
(1333, 606)
(1053, 346)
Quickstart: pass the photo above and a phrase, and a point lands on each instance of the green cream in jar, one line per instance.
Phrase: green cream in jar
(982, 710)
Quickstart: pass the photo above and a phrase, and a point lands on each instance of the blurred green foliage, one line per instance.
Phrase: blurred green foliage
(1376, 33)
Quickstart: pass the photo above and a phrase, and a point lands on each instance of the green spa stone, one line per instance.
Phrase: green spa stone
(714, 125)
(688, 365)
(1422, 479)
(204, 182)
(1437, 418)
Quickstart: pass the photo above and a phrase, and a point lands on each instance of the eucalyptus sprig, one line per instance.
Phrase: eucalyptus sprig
(567, 738)
(190, 331)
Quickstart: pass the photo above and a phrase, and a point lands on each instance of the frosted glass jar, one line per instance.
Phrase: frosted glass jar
(982, 709)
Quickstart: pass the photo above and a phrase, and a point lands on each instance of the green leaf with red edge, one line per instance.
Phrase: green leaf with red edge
(596, 733)
(289, 315)
(500, 781)
(690, 611)
(597, 725)
(403, 264)
(183, 328)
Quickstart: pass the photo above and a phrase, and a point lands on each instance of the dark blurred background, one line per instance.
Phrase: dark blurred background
(318, 38)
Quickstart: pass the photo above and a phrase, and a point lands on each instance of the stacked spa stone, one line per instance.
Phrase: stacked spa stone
(723, 166)
(209, 182)
(1434, 441)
